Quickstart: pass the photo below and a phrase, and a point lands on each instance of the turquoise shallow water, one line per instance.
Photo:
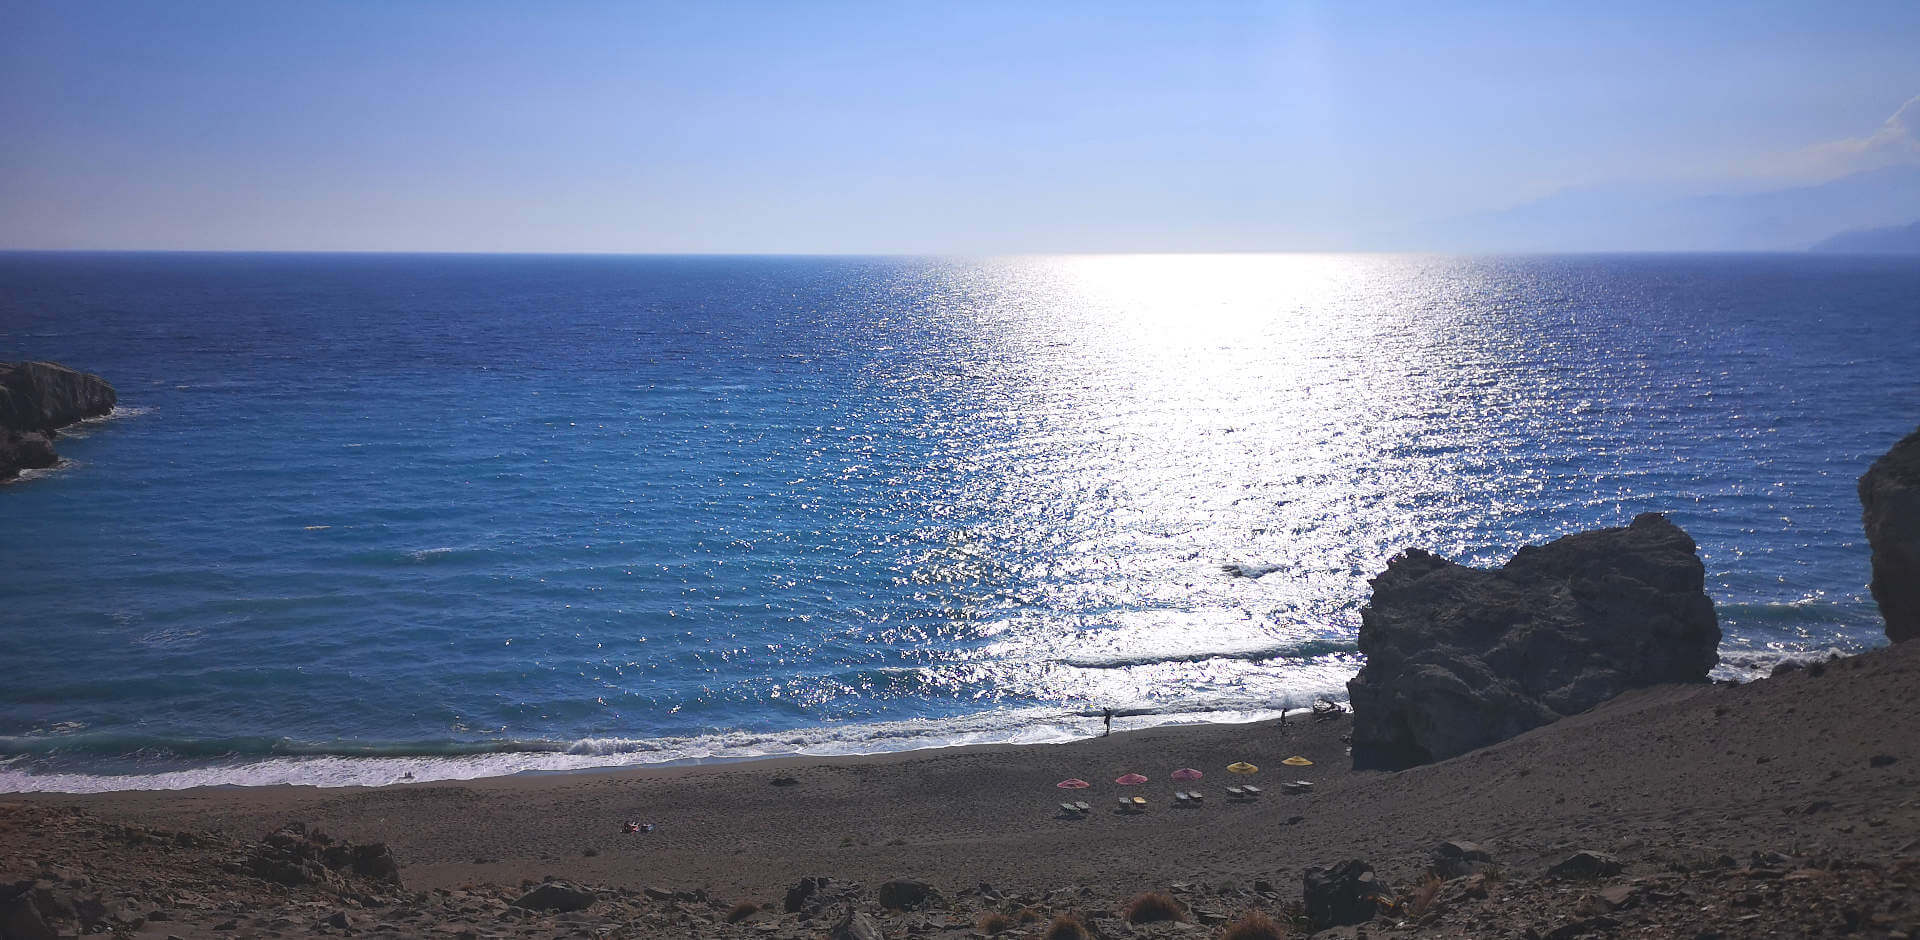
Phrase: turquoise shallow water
(363, 516)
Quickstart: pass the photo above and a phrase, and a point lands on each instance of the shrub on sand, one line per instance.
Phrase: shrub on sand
(1153, 906)
(1254, 925)
(742, 911)
(993, 922)
(1418, 902)
(1067, 927)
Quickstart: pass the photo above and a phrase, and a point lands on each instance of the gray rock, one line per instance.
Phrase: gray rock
(1459, 657)
(905, 894)
(20, 918)
(1344, 894)
(556, 896)
(1458, 858)
(1890, 510)
(857, 926)
(1586, 865)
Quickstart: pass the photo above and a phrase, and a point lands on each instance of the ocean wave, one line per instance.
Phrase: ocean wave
(1309, 650)
(59, 764)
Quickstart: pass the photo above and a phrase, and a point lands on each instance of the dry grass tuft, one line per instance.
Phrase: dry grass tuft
(1067, 927)
(1153, 906)
(742, 911)
(1254, 925)
(993, 922)
(1418, 902)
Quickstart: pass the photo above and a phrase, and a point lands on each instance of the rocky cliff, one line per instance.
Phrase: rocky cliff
(1890, 498)
(36, 400)
(1460, 657)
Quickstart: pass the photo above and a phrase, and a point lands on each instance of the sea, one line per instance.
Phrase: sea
(362, 518)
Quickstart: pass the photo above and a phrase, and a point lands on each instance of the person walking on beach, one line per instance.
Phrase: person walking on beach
(1109, 717)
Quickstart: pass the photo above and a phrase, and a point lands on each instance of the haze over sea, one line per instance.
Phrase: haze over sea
(366, 516)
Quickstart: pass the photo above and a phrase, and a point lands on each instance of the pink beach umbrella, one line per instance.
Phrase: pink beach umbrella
(1131, 780)
(1187, 773)
(1073, 783)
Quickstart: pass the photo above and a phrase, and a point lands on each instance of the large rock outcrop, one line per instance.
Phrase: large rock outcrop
(1459, 657)
(36, 400)
(1890, 498)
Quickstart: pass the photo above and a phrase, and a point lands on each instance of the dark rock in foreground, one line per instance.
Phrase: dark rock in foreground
(1890, 499)
(556, 896)
(36, 400)
(1459, 657)
(1344, 894)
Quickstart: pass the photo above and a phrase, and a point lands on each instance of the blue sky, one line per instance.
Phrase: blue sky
(899, 127)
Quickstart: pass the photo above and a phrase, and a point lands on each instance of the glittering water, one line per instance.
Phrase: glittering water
(371, 515)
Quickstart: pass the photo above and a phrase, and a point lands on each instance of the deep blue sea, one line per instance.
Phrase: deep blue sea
(363, 516)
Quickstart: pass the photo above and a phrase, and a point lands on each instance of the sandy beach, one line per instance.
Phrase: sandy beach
(1812, 770)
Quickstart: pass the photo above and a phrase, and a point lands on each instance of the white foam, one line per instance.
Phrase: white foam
(1011, 726)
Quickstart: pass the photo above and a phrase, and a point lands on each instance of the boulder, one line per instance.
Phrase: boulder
(1344, 894)
(557, 896)
(1458, 858)
(1459, 657)
(905, 894)
(1890, 503)
(1586, 865)
(856, 926)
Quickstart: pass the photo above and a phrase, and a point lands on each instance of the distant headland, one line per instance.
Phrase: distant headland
(37, 399)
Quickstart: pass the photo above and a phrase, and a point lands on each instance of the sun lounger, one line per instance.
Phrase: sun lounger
(1250, 790)
(1083, 806)
(1236, 792)
(1195, 796)
(1180, 796)
(1298, 786)
(1069, 808)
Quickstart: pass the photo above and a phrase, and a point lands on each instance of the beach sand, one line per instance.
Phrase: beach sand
(1813, 770)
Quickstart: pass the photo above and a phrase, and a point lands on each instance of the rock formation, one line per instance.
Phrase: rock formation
(36, 400)
(1459, 657)
(1890, 498)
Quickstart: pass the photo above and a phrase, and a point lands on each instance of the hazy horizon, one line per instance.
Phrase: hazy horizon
(864, 129)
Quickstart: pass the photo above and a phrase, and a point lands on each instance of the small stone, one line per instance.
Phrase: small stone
(339, 920)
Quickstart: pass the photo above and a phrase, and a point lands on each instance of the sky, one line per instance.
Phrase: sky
(978, 128)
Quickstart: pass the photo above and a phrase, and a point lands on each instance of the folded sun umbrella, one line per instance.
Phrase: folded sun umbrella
(1073, 783)
(1297, 761)
(1242, 768)
(1131, 780)
(1187, 773)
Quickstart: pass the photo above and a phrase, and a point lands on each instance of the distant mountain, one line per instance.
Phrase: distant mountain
(1625, 218)
(1900, 239)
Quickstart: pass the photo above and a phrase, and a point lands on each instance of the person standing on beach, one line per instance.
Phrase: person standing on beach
(1109, 717)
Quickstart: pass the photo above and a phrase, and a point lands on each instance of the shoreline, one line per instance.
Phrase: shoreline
(402, 768)
(381, 764)
(1812, 764)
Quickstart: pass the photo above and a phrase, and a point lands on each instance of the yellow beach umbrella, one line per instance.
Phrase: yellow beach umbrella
(1242, 768)
(1297, 761)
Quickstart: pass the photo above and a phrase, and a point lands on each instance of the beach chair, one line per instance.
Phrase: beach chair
(1298, 786)
(1070, 809)
(1083, 806)
(1180, 797)
(1196, 797)
(1235, 793)
(1126, 804)
(1250, 790)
